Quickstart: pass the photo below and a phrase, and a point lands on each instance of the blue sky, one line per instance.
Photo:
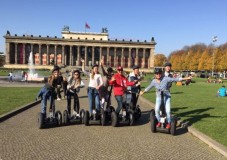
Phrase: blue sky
(173, 23)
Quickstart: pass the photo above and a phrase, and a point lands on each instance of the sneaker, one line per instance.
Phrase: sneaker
(168, 126)
(58, 99)
(158, 124)
(51, 114)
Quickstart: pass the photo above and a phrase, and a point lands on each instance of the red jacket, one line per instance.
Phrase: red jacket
(120, 84)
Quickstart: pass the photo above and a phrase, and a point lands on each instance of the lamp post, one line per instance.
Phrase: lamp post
(215, 38)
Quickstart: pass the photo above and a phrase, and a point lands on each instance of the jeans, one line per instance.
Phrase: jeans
(93, 95)
(47, 96)
(167, 107)
(120, 101)
(76, 102)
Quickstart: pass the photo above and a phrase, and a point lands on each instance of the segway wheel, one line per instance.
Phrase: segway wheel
(40, 120)
(103, 118)
(82, 113)
(137, 112)
(131, 117)
(86, 118)
(65, 117)
(58, 117)
(114, 119)
(112, 109)
(153, 121)
(173, 127)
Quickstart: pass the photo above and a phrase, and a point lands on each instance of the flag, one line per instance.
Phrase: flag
(87, 26)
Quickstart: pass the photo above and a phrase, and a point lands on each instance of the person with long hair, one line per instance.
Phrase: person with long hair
(73, 87)
(160, 83)
(95, 82)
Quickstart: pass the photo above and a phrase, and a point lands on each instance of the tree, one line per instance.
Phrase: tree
(159, 59)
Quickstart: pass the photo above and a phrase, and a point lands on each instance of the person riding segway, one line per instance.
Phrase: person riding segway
(120, 84)
(162, 122)
(49, 92)
(133, 92)
(73, 88)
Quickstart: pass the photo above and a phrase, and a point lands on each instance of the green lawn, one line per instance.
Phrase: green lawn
(13, 97)
(4, 72)
(198, 105)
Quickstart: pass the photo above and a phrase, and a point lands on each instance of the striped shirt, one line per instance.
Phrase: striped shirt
(162, 86)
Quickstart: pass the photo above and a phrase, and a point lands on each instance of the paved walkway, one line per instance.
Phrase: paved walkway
(20, 138)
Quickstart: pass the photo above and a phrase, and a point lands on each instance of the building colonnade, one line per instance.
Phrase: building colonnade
(70, 55)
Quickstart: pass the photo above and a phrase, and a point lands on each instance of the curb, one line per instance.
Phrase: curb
(210, 142)
(17, 111)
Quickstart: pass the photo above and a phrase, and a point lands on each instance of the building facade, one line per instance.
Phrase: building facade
(74, 46)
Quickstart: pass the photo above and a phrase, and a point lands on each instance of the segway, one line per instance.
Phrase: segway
(125, 118)
(163, 121)
(54, 120)
(95, 117)
(136, 108)
(107, 110)
(68, 118)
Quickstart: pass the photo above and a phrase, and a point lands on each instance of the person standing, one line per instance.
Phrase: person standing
(95, 83)
(10, 76)
(120, 84)
(160, 83)
(134, 89)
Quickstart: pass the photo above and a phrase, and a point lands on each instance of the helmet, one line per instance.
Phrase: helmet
(56, 68)
(109, 69)
(168, 64)
(95, 65)
(135, 67)
(158, 71)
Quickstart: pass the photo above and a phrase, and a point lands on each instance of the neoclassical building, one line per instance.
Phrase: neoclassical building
(69, 49)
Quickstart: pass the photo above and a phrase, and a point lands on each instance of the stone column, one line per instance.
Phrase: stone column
(16, 53)
(7, 52)
(93, 55)
(144, 51)
(40, 55)
(63, 55)
(115, 57)
(32, 54)
(107, 56)
(73, 59)
(78, 56)
(137, 57)
(122, 57)
(100, 54)
(47, 55)
(55, 54)
(23, 53)
(129, 57)
(70, 55)
(85, 55)
(151, 58)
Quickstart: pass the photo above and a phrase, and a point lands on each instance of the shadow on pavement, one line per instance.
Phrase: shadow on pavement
(144, 119)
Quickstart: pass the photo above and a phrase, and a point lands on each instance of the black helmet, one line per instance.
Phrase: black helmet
(135, 67)
(95, 65)
(158, 71)
(109, 69)
(168, 64)
(56, 68)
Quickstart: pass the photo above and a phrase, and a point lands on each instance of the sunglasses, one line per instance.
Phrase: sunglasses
(120, 70)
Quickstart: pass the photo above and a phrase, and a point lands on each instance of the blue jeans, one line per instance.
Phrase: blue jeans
(167, 107)
(120, 101)
(93, 92)
(47, 96)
